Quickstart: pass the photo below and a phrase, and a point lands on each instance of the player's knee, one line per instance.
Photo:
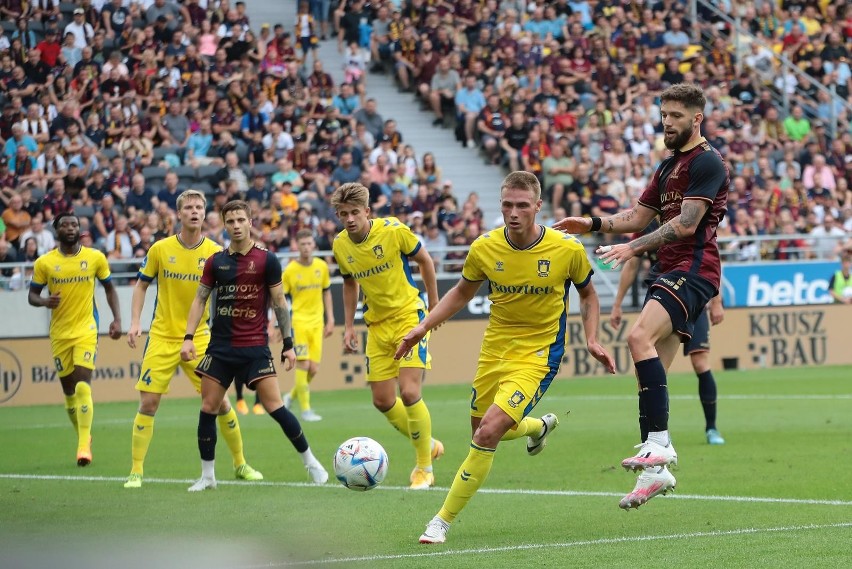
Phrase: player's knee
(487, 435)
(638, 340)
(410, 395)
(383, 404)
(313, 368)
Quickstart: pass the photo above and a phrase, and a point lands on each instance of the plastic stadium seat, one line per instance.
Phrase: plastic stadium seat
(84, 211)
(265, 169)
(186, 174)
(154, 173)
(207, 172)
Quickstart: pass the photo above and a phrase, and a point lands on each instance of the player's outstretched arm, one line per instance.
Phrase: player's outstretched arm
(282, 314)
(196, 311)
(632, 220)
(590, 309)
(452, 302)
(679, 227)
(427, 272)
(137, 303)
(628, 275)
(350, 304)
(115, 307)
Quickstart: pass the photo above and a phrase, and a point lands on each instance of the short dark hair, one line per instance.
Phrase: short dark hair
(58, 219)
(691, 96)
(236, 205)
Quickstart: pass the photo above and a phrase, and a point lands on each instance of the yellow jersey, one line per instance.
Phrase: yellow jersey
(72, 277)
(304, 286)
(177, 269)
(380, 265)
(528, 289)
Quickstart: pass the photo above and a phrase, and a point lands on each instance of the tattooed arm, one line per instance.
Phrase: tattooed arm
(282, 313)
(632, 220)
(684, 225)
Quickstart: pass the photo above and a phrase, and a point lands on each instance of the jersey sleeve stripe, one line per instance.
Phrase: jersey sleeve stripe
(36, 286)
(472, 280)
(585, 281)
(416, 249)
(106, 280)
(702, 198)
(143, 277)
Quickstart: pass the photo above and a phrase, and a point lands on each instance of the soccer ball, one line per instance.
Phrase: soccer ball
(360, 463)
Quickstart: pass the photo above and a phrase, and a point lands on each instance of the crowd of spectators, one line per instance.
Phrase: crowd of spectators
(112, 107)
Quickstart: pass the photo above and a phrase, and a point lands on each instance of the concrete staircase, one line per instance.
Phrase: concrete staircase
(463, 166)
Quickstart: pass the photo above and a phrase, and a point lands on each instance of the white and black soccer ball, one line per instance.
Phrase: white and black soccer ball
(360, 463)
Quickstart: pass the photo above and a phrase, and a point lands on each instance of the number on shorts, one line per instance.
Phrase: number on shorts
(301, 349)
(205, 363)
(367, 363)
(473, 399)
(146, 377)
(58, 363)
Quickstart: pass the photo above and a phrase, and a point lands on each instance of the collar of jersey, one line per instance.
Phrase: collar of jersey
(528, 247)
(366, 235)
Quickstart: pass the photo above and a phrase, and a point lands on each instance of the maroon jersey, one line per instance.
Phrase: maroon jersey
(241, 284)
(697, 174)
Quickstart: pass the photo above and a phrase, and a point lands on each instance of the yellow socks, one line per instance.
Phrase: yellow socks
(472, 473)
(71, 409)
(397, 417)
(143, 432)
(229, 426)
(528, 427)
(420, 429)
(85, 414)
(301, 391)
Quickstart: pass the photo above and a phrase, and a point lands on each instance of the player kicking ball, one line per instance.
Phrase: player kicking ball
(529, 268)
(247, 279)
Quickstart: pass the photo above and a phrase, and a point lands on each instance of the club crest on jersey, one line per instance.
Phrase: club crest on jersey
(84, 265)
(350, 259)
(251, 267)
(201, 261)
(57, 268)
(87, 356)
(379, 252)
(498, 266)
(172, 259)
(543, 267)
(516, 399)
(676, 171)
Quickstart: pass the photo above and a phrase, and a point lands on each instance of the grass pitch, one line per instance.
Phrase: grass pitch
(778, 493)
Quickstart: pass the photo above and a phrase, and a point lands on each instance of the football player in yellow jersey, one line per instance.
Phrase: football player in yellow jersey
(306, 283)
(529, 269)
(176, 263)
(69, 273)
(374, 254)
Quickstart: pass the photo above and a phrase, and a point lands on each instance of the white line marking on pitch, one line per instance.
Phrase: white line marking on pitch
(560, 545)
(523, 492)
(839, 396)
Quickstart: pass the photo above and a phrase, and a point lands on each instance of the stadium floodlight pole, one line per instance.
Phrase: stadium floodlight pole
(693, 16)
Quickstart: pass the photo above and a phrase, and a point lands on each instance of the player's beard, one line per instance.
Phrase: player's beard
(69, 240)
(679, 140)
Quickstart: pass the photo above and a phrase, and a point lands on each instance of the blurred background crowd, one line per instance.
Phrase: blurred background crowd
(111, 108)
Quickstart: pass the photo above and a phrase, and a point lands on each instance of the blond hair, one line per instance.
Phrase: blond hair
(352, 193)
(522, 180)
(304, 234)
(190, 195)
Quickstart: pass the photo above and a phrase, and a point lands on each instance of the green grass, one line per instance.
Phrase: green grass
(788, 433)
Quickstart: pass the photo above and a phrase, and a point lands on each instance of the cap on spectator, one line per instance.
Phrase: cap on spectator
(819, 124)
(416, 214)
(820, 193)
(324, 148)
(301, 138)
(385, 138)
(162, 18)
(79, 11)
(286, 182)
(397, 188)
(50, 32)
(265, 26)
(448, 183)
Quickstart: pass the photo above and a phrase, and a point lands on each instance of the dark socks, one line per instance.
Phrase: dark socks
(653, 394)
(707, 395)
(207, 436)
(291, 427)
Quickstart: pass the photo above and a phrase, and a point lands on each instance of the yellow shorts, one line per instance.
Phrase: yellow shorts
(74, 352)
(515, 387)
(383, 339)
(307, 340)
(161, 360)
